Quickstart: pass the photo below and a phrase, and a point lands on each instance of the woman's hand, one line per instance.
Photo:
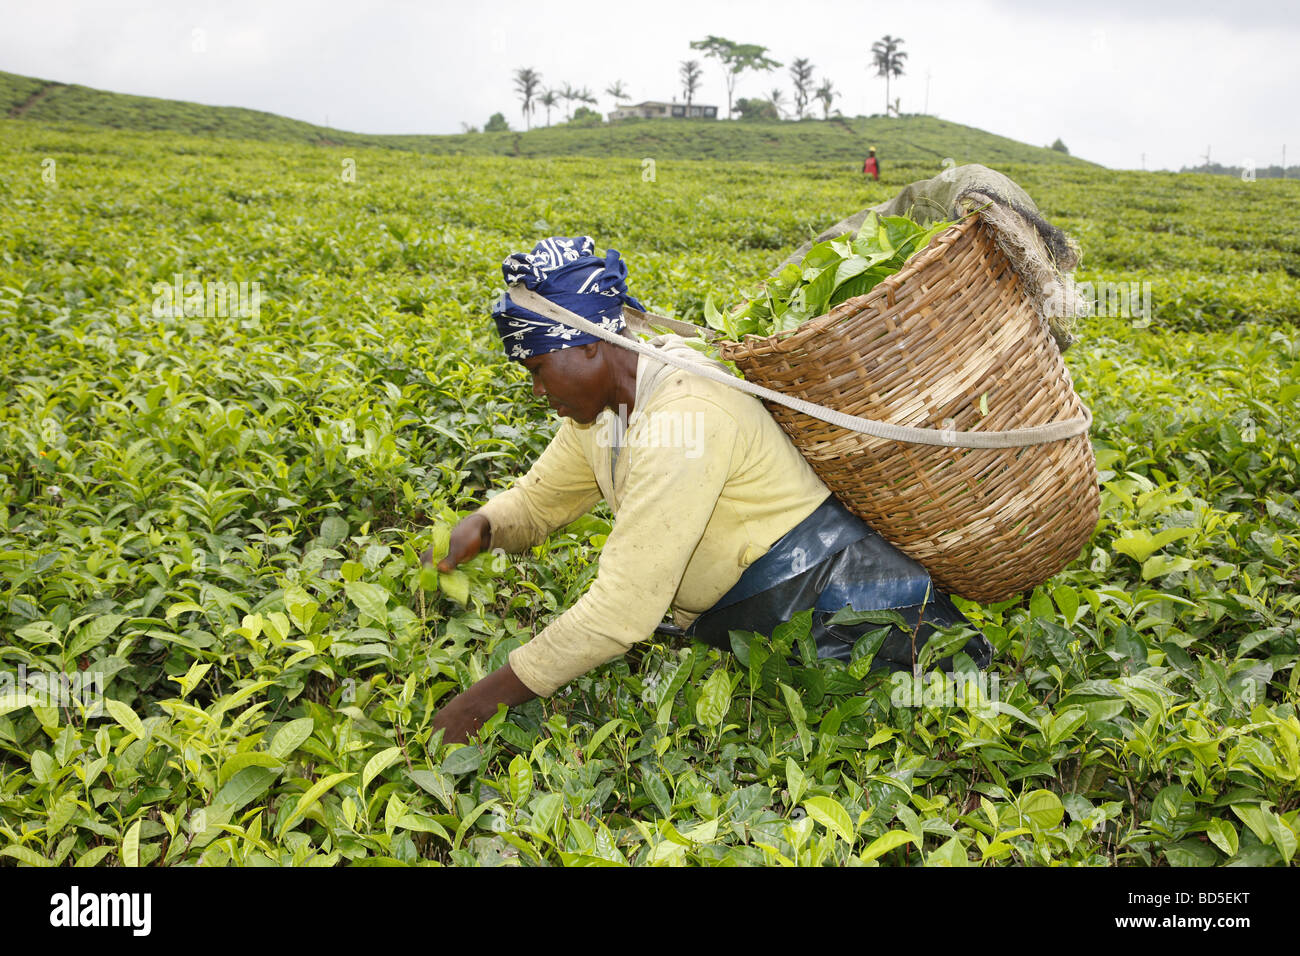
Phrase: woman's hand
(466, 712)
(470, 536)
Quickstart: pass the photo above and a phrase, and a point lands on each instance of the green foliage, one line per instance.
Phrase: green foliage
(220, 516)
(496, 124)
(757, 110)
(585, 116)
(831, 272)
(735, 58)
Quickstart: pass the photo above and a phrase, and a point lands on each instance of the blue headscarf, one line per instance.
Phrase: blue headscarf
(565, 271)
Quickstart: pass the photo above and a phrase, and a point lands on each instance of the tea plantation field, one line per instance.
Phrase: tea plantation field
(213, 517)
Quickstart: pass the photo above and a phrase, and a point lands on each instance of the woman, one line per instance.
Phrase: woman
(718, 518)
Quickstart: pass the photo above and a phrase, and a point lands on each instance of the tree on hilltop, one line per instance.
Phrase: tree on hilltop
(756, 109)
(568, 94)
(888, 61)
(826, 93)
(801, 73)
(777, 99)
(586, 116)
(549, 99)
(572, 95)
(736, 58)
(616, 91)
(527, 83)
(690, 73)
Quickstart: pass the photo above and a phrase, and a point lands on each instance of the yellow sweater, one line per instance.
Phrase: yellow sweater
(703, 484)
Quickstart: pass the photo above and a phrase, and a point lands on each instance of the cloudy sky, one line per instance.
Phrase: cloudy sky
(1117, 80)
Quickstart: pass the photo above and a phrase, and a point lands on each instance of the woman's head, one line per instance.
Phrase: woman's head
(564, 271)
(577, 373)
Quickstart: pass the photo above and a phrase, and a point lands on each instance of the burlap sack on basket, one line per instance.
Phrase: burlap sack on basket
(958, 339)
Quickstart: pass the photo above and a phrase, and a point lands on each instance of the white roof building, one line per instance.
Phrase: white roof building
(658, 109)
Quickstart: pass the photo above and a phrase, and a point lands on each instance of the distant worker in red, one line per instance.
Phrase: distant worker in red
(872, 165)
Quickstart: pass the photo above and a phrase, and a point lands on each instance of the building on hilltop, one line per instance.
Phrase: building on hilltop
(654, 109)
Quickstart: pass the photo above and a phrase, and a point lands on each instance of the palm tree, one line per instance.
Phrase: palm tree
(826, 93)
(888, 61)
(584, 95)
(777, 98)
(690, 72)
(526, 83)
(617, 91)
(568, 94)
(801, 72)
(549, 99)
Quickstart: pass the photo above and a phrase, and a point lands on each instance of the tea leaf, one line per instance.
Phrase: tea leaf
(830, 814)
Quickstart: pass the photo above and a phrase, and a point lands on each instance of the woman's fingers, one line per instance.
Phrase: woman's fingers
(453, 557)
(466, 541)
(468, 538)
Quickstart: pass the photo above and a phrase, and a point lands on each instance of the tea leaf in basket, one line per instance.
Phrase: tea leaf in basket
(832, 272)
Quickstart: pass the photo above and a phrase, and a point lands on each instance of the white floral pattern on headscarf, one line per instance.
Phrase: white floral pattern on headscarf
(565, 271)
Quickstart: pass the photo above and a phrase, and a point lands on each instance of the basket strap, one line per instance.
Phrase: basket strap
(945, 437)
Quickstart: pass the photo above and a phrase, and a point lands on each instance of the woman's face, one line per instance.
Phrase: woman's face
(574, 381)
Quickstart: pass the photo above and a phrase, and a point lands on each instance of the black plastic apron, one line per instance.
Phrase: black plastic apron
(832, 560)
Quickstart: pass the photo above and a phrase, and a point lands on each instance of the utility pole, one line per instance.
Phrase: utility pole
(1144, 162)
(1284, 160)
(1207, 158)
(926, 111)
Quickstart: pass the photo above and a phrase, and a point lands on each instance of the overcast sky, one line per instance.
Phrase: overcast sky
(1115, 79)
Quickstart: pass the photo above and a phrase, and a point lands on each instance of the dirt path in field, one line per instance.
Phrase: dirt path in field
(840, 121)
(844, 124)
(35, 98)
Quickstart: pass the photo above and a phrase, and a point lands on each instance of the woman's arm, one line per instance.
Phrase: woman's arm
(465, 713)
(670, 493)
(559, 487)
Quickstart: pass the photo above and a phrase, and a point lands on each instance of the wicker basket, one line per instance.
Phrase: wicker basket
(921, 349)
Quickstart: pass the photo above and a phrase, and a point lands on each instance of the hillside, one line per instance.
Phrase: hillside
(909, 139)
